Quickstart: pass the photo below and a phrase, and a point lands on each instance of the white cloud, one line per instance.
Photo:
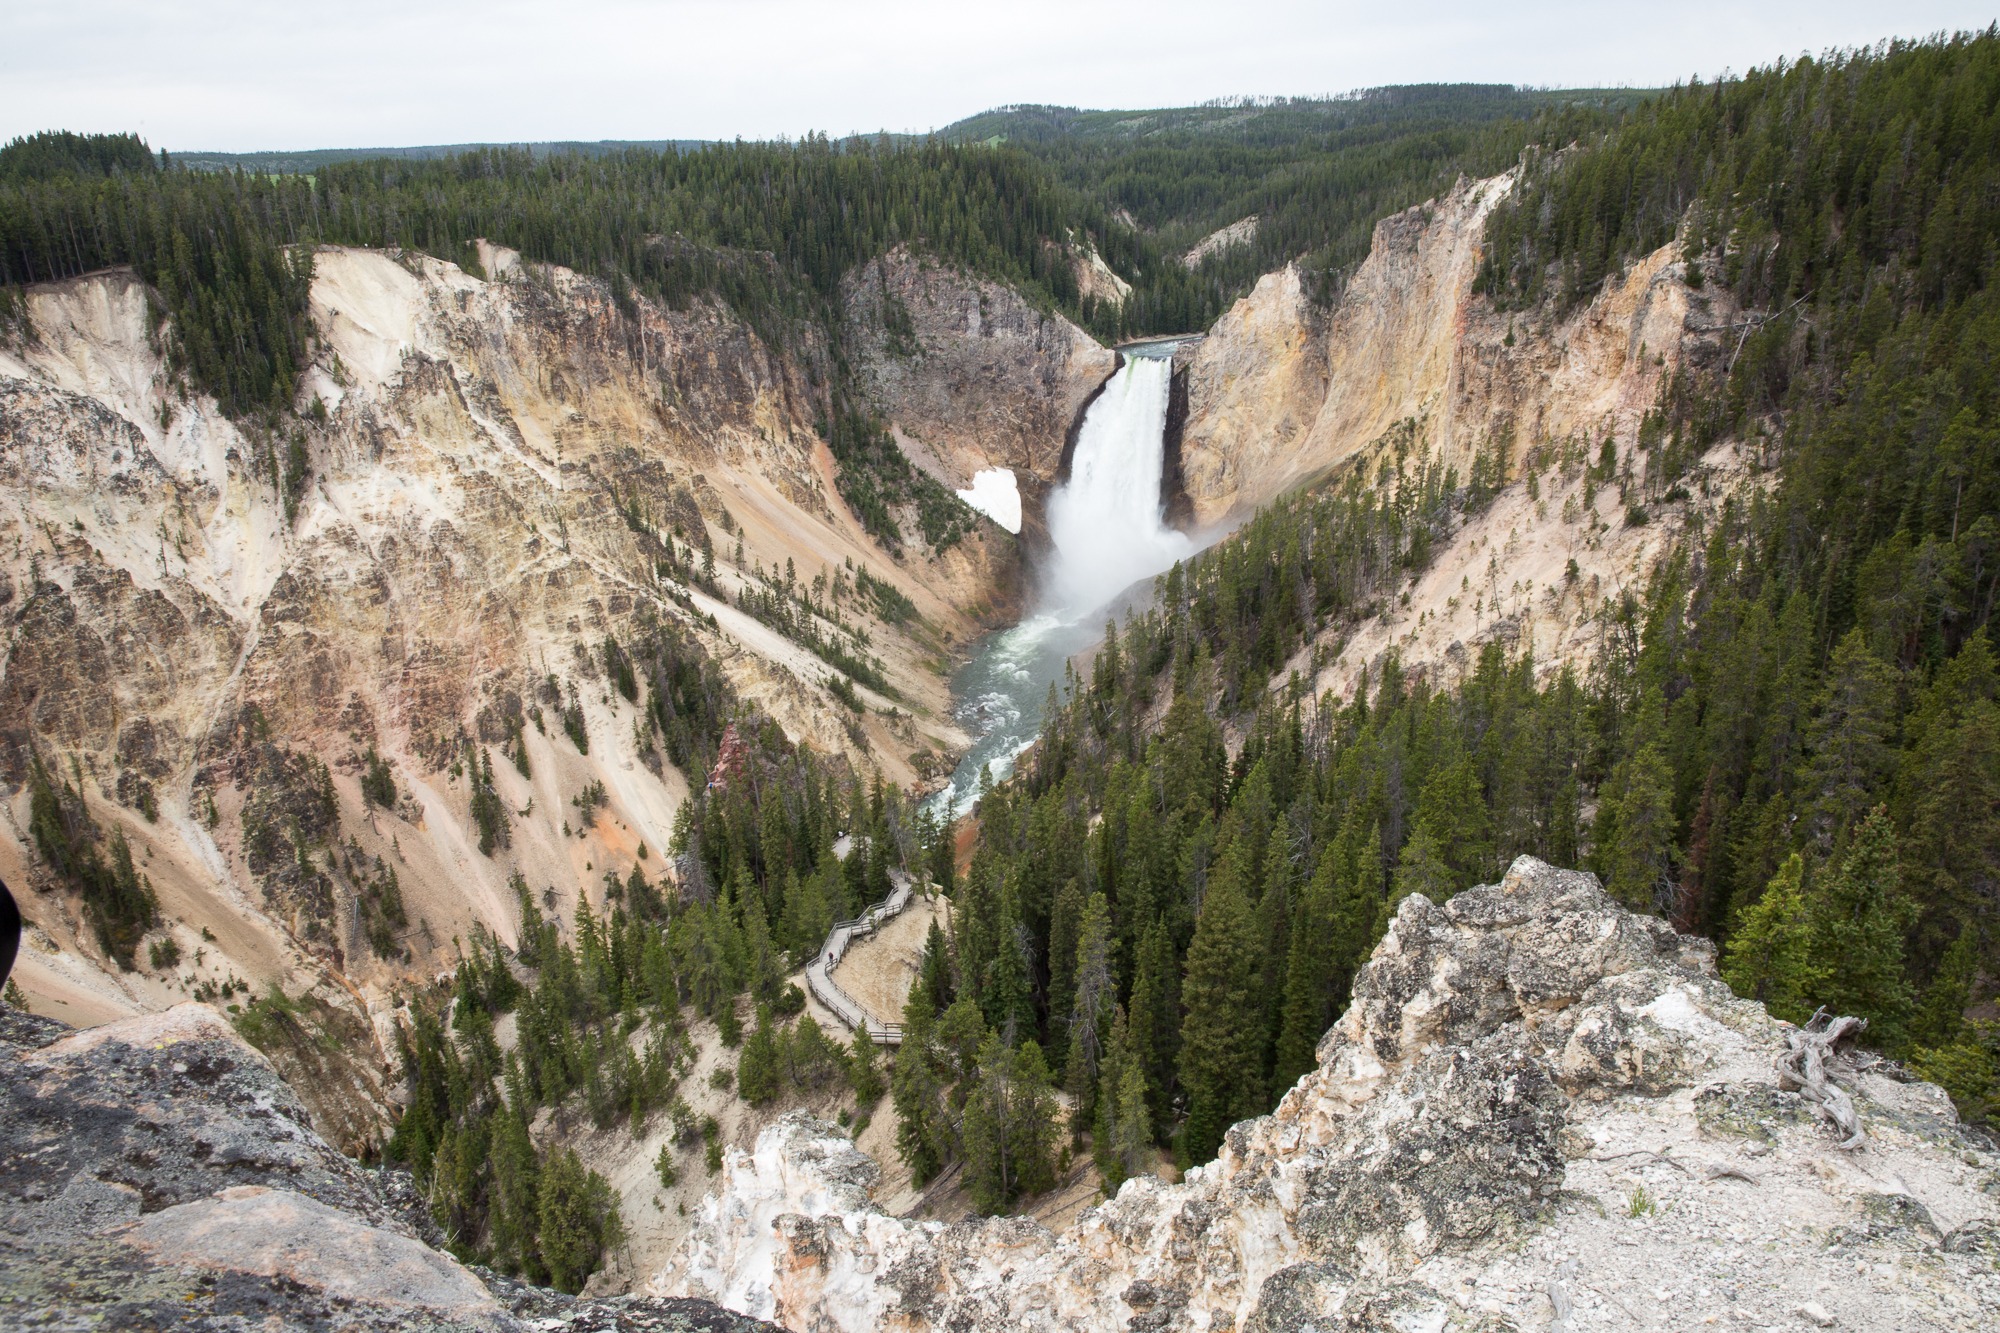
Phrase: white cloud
(235, 74)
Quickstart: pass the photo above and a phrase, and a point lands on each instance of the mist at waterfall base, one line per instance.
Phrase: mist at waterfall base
(1106, 525)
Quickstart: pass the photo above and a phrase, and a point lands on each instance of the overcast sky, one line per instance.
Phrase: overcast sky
(243, 74)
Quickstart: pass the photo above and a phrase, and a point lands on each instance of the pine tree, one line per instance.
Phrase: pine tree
(961, 1031)
(1950, 788)
(1122, 1136)
(864, 1072)
(1968, 1069)
(1770, 955)
(514, 1212)
(757, 1065)
(974, 918)
(1273, 924)
(1008, 999)
(577, 1215)
(1010, 1126)
(1941, 1018)
(807, 916)
(1423, 868)
(942, 860)
(1065, 920)
(1311, 967)
(1453, 808)
(1358, 918)
(1847, 743)
(1155, 1021)
(1858, 916)
(1221, 1059)
(1637, 836)
(918, 1084)
(934, 975)
(1094, 991)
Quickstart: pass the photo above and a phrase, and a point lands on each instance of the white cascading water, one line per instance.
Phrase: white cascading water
(1107, 521)
(1106, 524)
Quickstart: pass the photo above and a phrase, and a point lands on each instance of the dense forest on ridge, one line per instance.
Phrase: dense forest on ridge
(1316, 173)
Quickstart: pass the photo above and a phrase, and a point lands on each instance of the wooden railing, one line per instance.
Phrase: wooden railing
(819, 972)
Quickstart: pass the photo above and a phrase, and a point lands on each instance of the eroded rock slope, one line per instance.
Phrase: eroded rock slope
(489, 478)
(970, 375)
(1408, 366)
(1540, 1110)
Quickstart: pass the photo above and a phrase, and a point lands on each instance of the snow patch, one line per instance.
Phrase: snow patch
(995, 494)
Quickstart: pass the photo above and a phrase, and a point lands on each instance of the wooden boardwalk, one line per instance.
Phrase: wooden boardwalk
(819, 972)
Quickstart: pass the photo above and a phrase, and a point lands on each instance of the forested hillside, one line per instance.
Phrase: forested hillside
(602, 1004)
(1316, 173)
(1791, 743)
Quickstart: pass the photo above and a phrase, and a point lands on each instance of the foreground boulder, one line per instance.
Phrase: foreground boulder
(157, 1173)
(1540, 1111)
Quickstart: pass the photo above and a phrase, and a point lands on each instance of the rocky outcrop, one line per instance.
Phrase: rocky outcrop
(1540, 1110)
(1240, 232)
(970, 374)
(1096, 281)
(157, 1173)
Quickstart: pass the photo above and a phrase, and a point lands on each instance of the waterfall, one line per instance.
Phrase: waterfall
(1106, 522)
(1108, 534)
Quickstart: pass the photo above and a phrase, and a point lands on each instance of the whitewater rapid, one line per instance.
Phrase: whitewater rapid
(1108, 527)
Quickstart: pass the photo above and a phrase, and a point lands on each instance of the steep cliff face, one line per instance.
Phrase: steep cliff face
(506, 470)
(1284, 390)
(1539, 1110)
(1409, 365)
(970, 375)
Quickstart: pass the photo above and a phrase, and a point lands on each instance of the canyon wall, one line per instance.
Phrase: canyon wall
(484, 483)
(1286, 389)
(1407, 365)
(969, 374)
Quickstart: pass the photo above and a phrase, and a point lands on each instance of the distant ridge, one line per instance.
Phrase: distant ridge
(311, 159)
(1272, 120)
(1264, 121)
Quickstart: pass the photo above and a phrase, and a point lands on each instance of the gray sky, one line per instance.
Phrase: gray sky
(241, 75)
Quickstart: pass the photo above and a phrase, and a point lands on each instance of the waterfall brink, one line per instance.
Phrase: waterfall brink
(1106, 522)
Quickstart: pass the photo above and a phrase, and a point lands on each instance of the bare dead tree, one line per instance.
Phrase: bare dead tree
(1810, 1058)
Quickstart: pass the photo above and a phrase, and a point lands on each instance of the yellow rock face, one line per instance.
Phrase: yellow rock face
(463, 530)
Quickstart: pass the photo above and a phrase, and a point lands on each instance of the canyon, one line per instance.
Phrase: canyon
(499, 469)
